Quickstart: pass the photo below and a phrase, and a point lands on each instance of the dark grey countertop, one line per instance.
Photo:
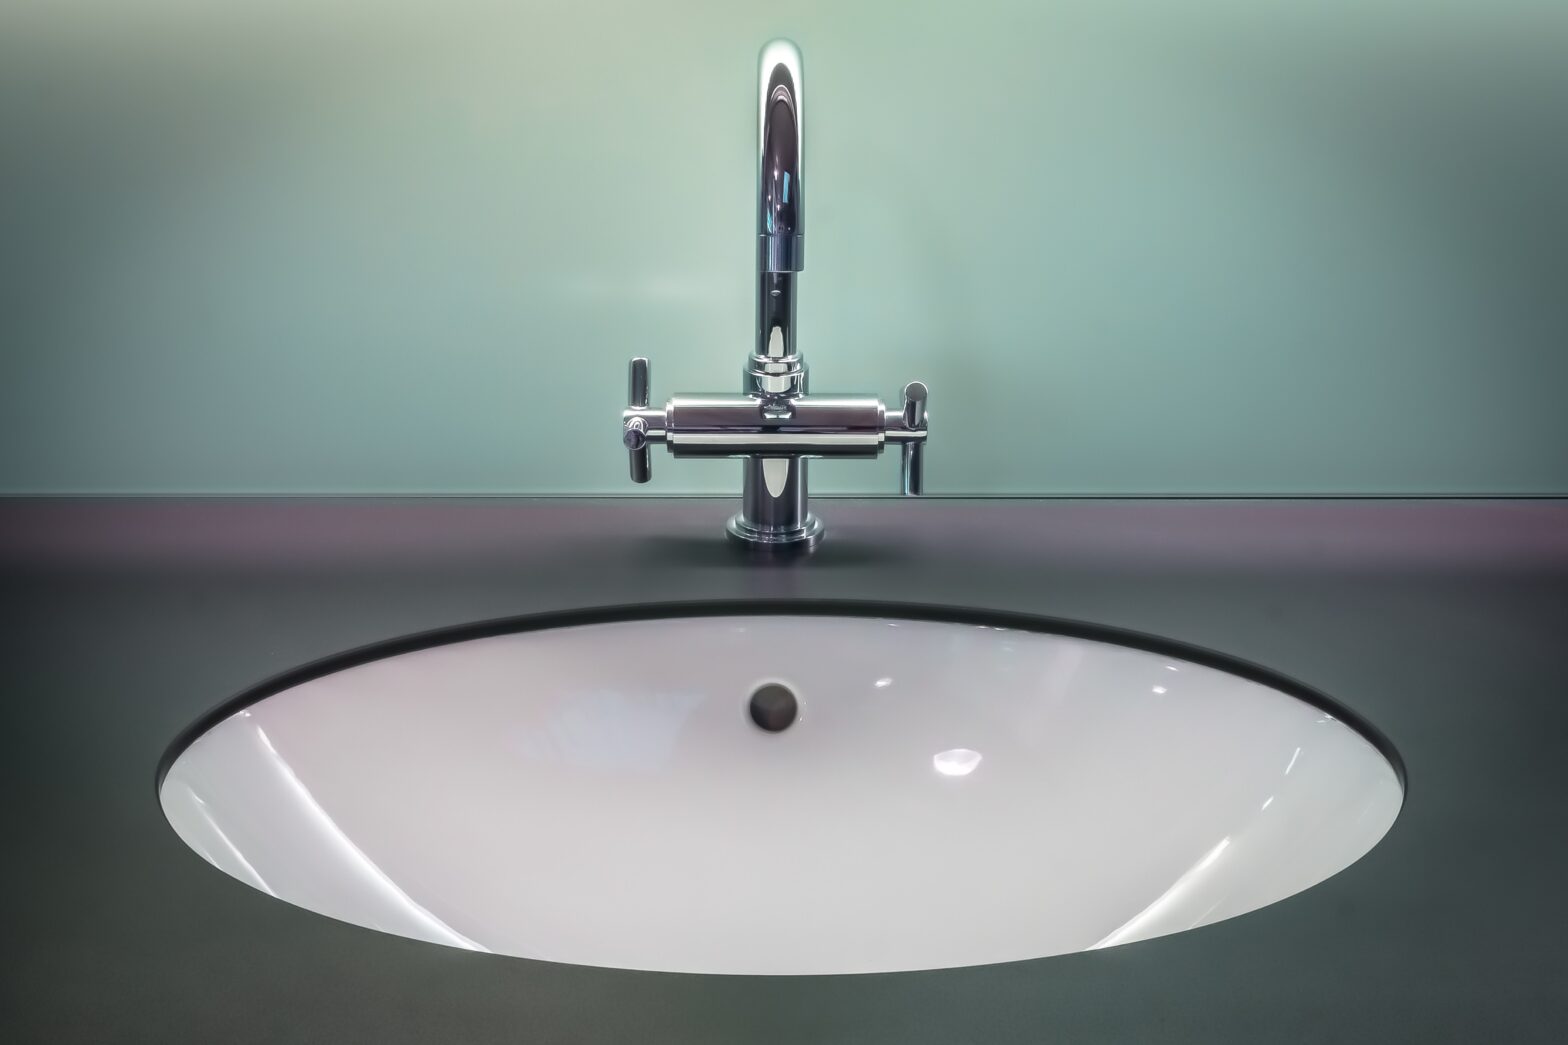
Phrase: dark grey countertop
(1445, 623)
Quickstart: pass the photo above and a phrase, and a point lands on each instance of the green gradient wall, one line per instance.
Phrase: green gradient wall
(1212, 247)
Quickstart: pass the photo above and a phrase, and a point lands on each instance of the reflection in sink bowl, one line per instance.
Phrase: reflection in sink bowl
(817, 789)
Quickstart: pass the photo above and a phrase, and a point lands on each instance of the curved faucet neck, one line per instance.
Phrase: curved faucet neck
(775, 368)
(781, 208)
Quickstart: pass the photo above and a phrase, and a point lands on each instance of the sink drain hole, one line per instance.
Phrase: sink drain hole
(773, 707)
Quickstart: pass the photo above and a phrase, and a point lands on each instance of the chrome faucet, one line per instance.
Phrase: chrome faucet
(774, 425)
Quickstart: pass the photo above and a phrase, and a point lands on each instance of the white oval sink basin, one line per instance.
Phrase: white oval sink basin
(948, 794)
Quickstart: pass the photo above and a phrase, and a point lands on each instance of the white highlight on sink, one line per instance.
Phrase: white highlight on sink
(598, 795)
(1172, 897)
(960, 761)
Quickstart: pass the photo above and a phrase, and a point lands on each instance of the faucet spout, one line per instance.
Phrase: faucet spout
(775, 368)
(781, 207)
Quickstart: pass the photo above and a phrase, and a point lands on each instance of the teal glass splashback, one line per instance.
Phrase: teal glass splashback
(1133, 248)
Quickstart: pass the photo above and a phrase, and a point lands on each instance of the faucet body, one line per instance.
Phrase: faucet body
(774, 425)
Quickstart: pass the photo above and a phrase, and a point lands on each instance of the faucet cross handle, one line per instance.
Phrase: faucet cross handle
(634, 432)
(913, 478)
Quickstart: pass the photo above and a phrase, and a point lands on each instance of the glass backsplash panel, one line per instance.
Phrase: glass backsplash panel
(1218, 247)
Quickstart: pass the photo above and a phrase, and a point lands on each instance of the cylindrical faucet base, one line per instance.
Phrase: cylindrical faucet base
(773, 515)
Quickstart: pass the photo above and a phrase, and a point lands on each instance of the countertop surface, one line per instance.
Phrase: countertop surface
(1444, 623)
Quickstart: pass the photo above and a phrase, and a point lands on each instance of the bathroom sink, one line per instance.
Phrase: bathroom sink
(812, 790)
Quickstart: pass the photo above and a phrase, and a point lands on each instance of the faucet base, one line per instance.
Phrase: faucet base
(775, 540)
(773, 517)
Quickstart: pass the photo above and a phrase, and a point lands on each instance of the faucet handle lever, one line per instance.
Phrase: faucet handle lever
(638, 373)
(634, 433)
(913, 474)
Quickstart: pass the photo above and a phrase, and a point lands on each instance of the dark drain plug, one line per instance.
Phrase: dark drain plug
(773, 707)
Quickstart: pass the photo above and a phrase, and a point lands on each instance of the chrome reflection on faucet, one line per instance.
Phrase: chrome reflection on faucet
(774, 425)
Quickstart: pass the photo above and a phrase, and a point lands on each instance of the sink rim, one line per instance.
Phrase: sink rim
(627, 613)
